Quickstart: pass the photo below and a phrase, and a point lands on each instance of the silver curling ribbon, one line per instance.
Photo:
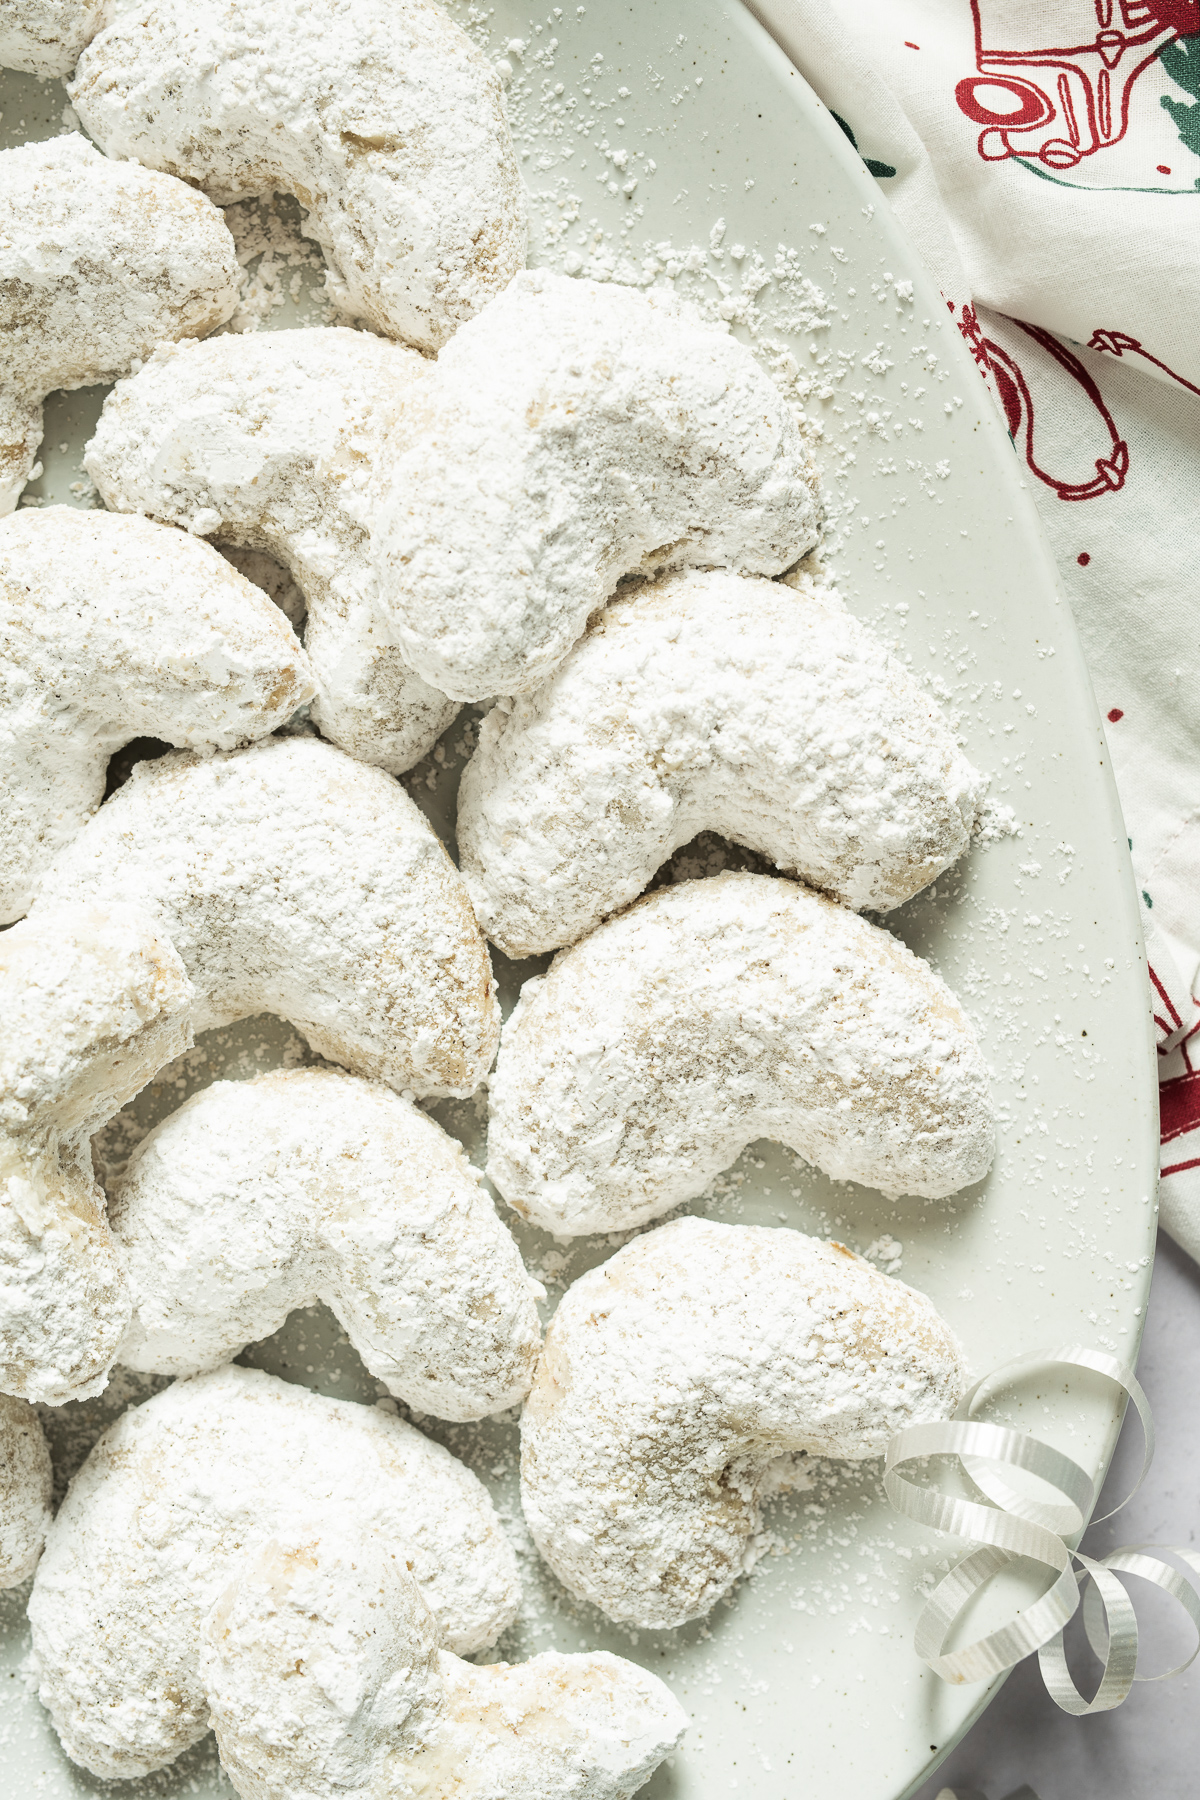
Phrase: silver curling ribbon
(1009, 1526)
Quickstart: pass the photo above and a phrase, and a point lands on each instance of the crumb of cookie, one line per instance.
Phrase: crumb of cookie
(996, 822)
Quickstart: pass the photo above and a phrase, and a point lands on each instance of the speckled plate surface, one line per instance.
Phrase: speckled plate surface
(672, 143)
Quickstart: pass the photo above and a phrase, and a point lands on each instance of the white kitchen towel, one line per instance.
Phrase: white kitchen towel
(1044, 159)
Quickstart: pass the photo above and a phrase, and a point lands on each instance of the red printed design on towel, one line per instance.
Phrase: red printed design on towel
(1179, 1117)
(972, 331)
(1179, 1105)
(1117, 343)
(1111, 466)
(1175, 1008)
(1056, 103)
(1176, 1023)
(1167, 1018)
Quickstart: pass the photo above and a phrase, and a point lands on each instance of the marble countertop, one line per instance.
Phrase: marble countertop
(1149, 1748)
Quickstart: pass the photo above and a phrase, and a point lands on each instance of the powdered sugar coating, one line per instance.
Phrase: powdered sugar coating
(26, 1479)
(270, 440)
(677, 1371)
(45, 37)
(93, 1002)
(325, 1678)
(575, 433)
(294, 880)
(379, 115)
(99, 262)
(178, 1490)
(709, 702)
(110, 629)
(260, 1196)
(721, 1011)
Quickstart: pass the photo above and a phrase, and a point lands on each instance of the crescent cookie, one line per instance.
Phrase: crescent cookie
(270, 441)
(94, 1002)
(45, 37)
(260, 1196)
(380, 116)
(294, 880)
(575, 432)
(114, 628)
(325, 1677)
(717, 1012)
(675, 1373)
(99, 262)
(709, 702)
(178, 1491)
(26, 1479)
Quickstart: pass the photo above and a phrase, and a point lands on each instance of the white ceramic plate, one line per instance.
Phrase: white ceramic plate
(805, 1682)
